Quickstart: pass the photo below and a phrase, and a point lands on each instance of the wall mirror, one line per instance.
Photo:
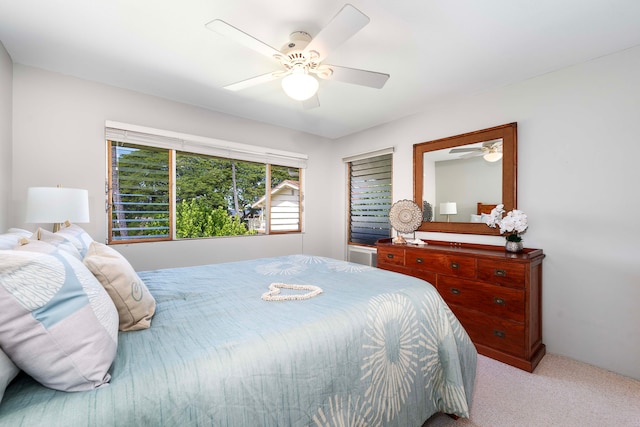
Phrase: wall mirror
(458, 179)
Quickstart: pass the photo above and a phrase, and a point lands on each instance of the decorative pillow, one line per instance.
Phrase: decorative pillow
(37, 246)
(20, 231)
(57, 241)
(8, 371)
(11, 239)
(57, 323)
(76, 235)
(131, 296)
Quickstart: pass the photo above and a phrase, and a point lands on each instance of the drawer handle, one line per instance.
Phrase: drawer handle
(500, 273)
(419, 260)
(455, 265)
(499, 301)
(455, 291)
(499, 334)
(390, 256)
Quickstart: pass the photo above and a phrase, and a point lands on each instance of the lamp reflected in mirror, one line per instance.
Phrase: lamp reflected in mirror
(448, 208)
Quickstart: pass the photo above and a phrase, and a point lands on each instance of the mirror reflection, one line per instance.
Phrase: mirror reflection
(460, 181)
(456, 179)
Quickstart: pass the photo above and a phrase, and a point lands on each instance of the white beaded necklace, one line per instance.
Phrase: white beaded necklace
(274, 292)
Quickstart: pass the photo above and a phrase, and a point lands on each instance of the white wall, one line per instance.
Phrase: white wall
(466, 182)
(6, 100)
(58, 138)
(578, 147)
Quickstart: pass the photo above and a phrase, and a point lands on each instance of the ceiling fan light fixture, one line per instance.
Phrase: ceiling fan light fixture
(493, 156)
(299, 85)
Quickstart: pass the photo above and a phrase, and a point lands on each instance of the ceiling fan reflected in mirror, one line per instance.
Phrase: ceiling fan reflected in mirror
(491, 151)
(301, 58)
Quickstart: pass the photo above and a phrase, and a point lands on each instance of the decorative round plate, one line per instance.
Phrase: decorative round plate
(405, 216)
(427, 212)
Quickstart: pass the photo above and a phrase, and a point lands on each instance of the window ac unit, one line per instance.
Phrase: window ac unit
(362, 255)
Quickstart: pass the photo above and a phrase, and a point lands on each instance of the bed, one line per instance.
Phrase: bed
(355, 346)
(484, 208)
(483, 212)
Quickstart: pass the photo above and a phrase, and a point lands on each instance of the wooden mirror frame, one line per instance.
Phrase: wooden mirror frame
(509, 136)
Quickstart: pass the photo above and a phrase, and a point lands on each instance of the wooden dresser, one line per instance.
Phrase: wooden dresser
(495, 294)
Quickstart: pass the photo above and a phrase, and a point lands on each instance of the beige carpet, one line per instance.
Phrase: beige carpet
(560, 392)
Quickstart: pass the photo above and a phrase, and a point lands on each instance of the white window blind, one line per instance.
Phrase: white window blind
(133, 134)
(370, 195)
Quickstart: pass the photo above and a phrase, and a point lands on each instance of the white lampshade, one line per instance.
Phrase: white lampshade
(493, 156)
(299, 85)
(56, 205)
(448, 208)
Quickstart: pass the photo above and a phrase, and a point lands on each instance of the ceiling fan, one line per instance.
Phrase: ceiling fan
(490, 150)
(301, 58)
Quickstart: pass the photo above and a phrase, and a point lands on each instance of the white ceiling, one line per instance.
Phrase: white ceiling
(433, 49)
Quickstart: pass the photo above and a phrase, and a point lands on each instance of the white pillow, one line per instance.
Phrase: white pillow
(20, 231)
(476, 218)
(131, 296)
(37, 246)
(57, 322)
(12, 238)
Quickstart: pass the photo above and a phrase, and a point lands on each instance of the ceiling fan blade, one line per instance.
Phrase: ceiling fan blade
(355, 76)
(310, 103)
(345, 24)
(464, 150)
(471, 154)
(239, 36)
(253, 81)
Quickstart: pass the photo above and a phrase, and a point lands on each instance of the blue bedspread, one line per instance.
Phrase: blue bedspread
(375, 348)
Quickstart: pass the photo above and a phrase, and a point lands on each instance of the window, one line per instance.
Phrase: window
(369, 197)
(284, 201)
(214, 195)
(159, 193)
(140, 187)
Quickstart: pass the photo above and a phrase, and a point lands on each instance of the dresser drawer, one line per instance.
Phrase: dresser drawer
(502, 272)
(390, 256)
(493, 300)
(424, 275)
(500, 334)
(459, 266)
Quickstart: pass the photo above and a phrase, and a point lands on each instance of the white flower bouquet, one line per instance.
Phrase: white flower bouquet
(513, 224)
